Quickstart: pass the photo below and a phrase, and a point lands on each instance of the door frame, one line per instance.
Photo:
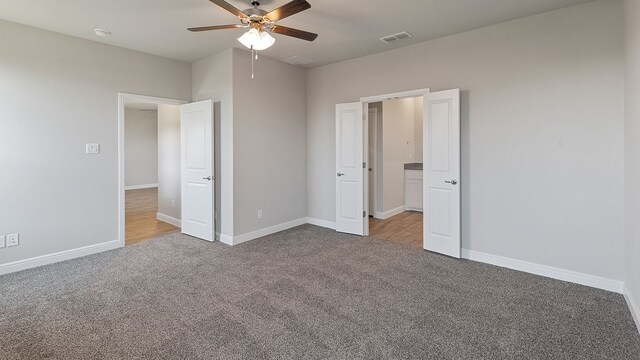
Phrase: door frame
(122, 98)
(365, 110)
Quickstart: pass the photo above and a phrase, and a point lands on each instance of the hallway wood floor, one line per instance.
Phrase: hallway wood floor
(405, 228)
(141, 207)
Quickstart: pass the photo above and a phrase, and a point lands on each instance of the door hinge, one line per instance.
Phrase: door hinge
(364, 214)
(364, 165)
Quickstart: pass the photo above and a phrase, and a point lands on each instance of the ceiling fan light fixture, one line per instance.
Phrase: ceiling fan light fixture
(256, 39)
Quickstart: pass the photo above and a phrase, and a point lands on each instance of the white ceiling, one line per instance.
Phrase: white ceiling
(347, 28)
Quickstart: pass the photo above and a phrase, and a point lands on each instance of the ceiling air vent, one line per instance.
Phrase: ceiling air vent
(395, 37)
(298, 60)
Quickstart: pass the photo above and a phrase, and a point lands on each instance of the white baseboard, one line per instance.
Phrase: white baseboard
(225, 239)
(57, 257)
(321, 223)
(545, 270)
(264, 232)
(169, 220)
(410, 208)
(138, 187)
(390, 213)
(634, 306)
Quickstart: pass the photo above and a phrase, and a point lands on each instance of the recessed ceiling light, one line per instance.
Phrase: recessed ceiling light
(102, 32)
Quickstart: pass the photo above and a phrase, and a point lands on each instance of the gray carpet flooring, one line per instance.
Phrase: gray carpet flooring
(309, 293)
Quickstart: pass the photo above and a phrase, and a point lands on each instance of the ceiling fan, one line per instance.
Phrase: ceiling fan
(261, 22)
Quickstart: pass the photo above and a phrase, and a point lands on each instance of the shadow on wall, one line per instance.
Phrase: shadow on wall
(465, 169)
(216, 163)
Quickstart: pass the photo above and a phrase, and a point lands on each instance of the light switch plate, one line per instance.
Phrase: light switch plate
(13, 240)
(93, 148)
(3, 242)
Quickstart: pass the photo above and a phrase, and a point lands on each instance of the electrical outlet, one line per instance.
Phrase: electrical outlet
(3, 242)
(13, 240)
(259, 214)
(173, 203)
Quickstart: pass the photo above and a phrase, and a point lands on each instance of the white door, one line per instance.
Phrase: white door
(197, 169)
(442, 172)
(350, 210)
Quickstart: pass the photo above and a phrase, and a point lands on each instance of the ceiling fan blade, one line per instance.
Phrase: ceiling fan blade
(230, 8)
(288, 9)
(216, 27)
(300, 34)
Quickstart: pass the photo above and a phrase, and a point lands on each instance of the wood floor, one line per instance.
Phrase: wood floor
(405, 228)
(141, 207)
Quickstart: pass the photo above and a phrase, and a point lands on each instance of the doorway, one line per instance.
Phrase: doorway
(148, 167)
(151, 156)
(441, 174)
(395, 170)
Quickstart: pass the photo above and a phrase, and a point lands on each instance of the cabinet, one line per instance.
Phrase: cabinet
(413, 190)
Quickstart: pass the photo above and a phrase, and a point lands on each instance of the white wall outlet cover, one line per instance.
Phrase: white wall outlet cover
(3, 241)
(259, 214)
(13, 240)
(93, 148)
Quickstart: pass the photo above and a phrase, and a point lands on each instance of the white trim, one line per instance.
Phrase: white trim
(168, 219)
(398, 95)
(634, 306)
(409, 208)
(122, 98)
(262, 232)
(57, 257)
(390, 213)
(321, 223)
(225, 239)
(138, 187)
(545, 270)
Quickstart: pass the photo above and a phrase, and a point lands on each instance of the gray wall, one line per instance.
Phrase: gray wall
(418, 130)
(632, 151)
(269, 148)
(542, 132)
(398, 126)
(168, 145)
(59, 93)
(140, 147)
(379, 189)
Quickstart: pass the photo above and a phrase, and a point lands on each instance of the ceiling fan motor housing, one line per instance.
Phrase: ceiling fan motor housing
(255, 14)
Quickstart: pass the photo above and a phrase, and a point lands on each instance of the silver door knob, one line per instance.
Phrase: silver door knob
(340, 174)
(208, 178)
(452, 182)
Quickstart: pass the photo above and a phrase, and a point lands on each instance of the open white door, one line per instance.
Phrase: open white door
(442, 172)
(350, 210)
(197, 169)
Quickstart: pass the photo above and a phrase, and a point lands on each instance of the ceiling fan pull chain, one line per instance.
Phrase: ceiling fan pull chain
(252, 62)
